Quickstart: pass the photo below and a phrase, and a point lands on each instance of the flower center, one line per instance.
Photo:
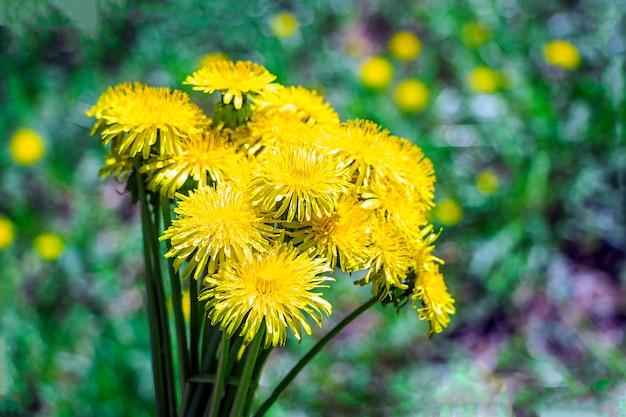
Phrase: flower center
(266, 283)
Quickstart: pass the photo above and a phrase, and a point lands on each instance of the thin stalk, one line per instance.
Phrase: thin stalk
(155, 331)
(218, 387)
(165, 394)
(243, 397)
(161, 302)
(264, 354)
(311, 354)
(177, 305)
(194, 327)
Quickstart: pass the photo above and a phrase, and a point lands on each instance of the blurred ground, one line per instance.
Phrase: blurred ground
(527, 139)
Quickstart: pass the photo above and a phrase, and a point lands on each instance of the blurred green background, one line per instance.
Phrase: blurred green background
(527, 139)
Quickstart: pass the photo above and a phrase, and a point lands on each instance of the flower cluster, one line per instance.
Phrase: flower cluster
(273, 192)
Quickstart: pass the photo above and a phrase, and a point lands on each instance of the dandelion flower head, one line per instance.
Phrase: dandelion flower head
(391, 258)
(137, 115)
(235, 80)
(276, 129)
(284, 25)
(475, 34)
(206, 158)
(369, 149)
(412, 96)
(49, 246)
(7, 233)
(561, 53)
(342, 237)
(116, 165)
(376, 73)
(274, 287)
(307, 104)
(401, 204)
(430, 290)
(405, 46)
(449, 212)
(213, 224)
(26, 147)
(487, 182)
(299, 182)
(484, 80)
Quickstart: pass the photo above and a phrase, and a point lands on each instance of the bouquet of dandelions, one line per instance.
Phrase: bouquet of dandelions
(269, 196)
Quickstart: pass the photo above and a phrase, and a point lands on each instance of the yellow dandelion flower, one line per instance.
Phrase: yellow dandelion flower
(26, 147)
(137, 116)
(449, 212)
(212, 57)
(284, 25)
(430, 289)
(307, 104)
(119, 166)
(487, 182)
(214, 224)
(49, 246)
(299, 181)
(206, 158)
(275, 288)
(402, 204)
(369, 149)
(7, 233)
(484, 80)
(412, 96)
(391, 258)
(277, 129)
(234, 80)
(562, 54)
(405, 46)
(475, 34)
(376, 73)
(422, 247)
(413, 168)
(342, 238)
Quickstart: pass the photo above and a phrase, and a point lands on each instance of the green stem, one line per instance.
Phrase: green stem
(243, 397)
(311, 354)
(177, 305)
(218, 387)
(194, 326)
(161, 302)
(165, 393)
(155, 333)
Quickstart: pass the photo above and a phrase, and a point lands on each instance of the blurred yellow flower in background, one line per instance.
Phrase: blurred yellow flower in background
(376, 72)
(49, 246)
(484, 80)
(412, 95)
(475, 34)
(212, 57)
(284, 25)
(405, 46)
(7, 233)
(487, 182)
(449, 212)
(562, 54)
(26, 147)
